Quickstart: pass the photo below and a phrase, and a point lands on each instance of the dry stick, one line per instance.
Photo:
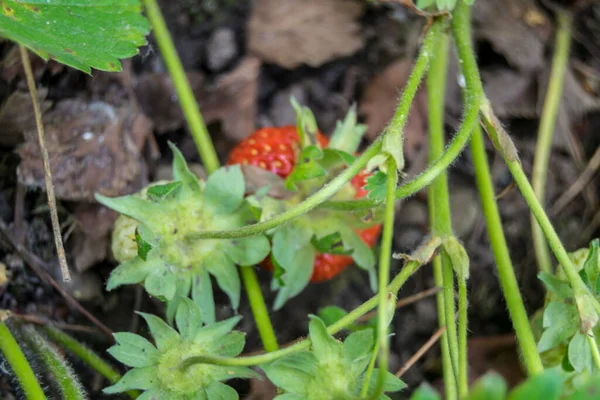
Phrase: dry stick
(43, 321)
(422, 350)
(404, 302)
(60, 250)
(41, 270)
(586, 175)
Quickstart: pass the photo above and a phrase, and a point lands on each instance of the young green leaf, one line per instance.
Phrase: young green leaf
(376, 185)
(82, 34)
(580, 353)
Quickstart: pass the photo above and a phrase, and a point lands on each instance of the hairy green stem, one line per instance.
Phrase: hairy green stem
(450, 307)
(369, 372)
(463, 365)
(439, 207)
(345, 176)
(407, 271)
(182, 87)
(19, 364)
(259, 309)
(546, 131)
(86, 355)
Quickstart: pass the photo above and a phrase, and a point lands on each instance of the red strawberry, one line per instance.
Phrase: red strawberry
(276, 150)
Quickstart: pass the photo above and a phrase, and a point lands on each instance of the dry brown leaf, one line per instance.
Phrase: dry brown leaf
(16, 115)
(231, 99)
(379, 102)
(93, 148)
(291, 33)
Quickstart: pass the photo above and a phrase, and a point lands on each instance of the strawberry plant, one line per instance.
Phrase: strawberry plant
(332, 204)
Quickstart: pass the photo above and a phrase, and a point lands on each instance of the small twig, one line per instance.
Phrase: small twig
(40, 268)
(580, 183)
(404, 302)
(422, 350)
(60, 250)
(43, 321)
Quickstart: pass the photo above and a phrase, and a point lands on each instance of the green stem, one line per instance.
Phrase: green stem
(182, 87)
(19, 364)
(86, 355)
(56, 365)
(259, 309)
(345, 176)
(463, 372)
(369, 372)
(439, 207)
(595, 351)
(407, 271)
(506, 274)
(546, 131)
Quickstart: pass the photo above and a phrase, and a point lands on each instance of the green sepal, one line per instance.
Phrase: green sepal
(560, 322)
(217, 330)
(306, 124)
(230, 345)
(184, 285)
(158, 193)
(247, 250)
(348, 133)
(164, 336)
(224, 190)
(391, 382)
(490, 387)
(358, 345)
(182, 173)
(333, 158)
(142, 210)
(220, 391)
(202, 295)
(307, 167)
(133, 271)
(137, 378)
(331, 314)
(330, 244)
(377, 186)
(591, 265)
(362, 255)
(558, 287)
(544, 386)
(143, 246)
(161, 284)
(133, 350)
(458, 256)
(425, 392)
(293, 373)
(227, 276)
(188, 319)
(323, 343)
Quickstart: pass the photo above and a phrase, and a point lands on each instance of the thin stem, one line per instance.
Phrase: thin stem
(506, 273)
(439, 207)
(409, 269)
(345, 176)
(463, 373)
(546, 131)
(595, 352)
(85, 354)
(60, 250)
(369, 372)
(259, 309)
(19, 364)
(182, 87)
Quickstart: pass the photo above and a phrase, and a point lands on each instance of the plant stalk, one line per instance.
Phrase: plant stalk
(546, 131)
(463, 320)
(182, 87)
(19, 364)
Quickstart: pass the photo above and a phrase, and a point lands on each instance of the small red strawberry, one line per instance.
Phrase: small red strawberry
(276, 150)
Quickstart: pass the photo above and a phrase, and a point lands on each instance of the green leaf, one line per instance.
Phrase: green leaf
(377, 186)
(182, 173)
(580, 353)
(225, 189)
(330, 244)
(137, 378)
(592, 264)
(131, 271)
(183, 290)
(226, 273)
(331, 314)
(133, 350)
(202, 294)
(157, 193)
(545, 386)
(587, 313)
(293, 372)
(423, 4)
(558, 287)
(425, 391)
(358, 345)
(298, 269)
(333, 158)
(80, 34)
(490, 387)
(362, 255)
(390, 384)
(589, 391)
(164, 336)
(323, 344)
(230, 345)
(161, 284)
(561, 322)
(248, 250)
(348, 134)
(306, 124)
(213, 332)
(458, 256)
(307, 167)
(221, 391)
(135, 207)
(188, 318)
(143, 246)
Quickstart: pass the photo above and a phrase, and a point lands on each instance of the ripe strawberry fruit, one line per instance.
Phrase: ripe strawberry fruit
(276, 149)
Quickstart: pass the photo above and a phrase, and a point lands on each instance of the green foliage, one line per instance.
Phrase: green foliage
(156, 367)
(330, 370)
(170, 262)
(376, 185)
(440, 5)
(80, 34)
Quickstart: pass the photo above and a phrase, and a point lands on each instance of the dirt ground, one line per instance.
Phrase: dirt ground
(244, 61)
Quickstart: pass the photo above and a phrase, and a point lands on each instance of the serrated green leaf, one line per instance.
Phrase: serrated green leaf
(580, 353)
(182, 173)
(377, 186)
(137, 378)
(248, 250)
(545, 386)
(298, 269)
(164, 336)
(143, 247)
(490, 387)
(556, 286)
(307, 167)
(156, 193)
(331, 314)
(227, 276)
(458, 256)
(161, 284)
(323, 344)
(202, 294)
(224, 190)
(425, 391)
(330, 244)
(80, 34)
(221, 391)
(188, 318)
(348, 133)
(358, 345)
(217, 330)
(129, 272)
(133, 350)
